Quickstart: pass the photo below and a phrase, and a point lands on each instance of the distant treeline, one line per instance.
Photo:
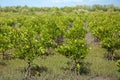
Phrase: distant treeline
(64, 9)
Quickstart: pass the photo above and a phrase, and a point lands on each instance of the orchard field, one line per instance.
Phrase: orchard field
(51, 43)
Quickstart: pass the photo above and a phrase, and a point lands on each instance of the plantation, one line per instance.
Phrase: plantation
(70, 43)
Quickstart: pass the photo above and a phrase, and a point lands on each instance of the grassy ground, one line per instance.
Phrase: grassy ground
(100, 66)
(55, 67)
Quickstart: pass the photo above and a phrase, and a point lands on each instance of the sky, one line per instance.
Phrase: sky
(58, 3)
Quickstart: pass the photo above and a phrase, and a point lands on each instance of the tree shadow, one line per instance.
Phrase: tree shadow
(3, 63)
(118, 70)
(36, 70)
(84, 70)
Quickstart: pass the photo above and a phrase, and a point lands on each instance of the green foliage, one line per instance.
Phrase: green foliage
(118, 63)
(28, 46)
(74, 49)
(111, 43)
(76, 32)
(5, 42)
(5, 39)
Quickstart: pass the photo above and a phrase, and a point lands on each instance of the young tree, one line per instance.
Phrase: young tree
(27, 47)
(75, 50)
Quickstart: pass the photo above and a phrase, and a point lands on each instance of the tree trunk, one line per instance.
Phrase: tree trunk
(3, 53)
(110, 54)
(28, 71)
(76, 68)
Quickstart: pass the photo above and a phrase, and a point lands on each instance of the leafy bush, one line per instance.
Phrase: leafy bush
(118, 64)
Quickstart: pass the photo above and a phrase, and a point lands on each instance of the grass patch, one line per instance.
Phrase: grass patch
(99, 65)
